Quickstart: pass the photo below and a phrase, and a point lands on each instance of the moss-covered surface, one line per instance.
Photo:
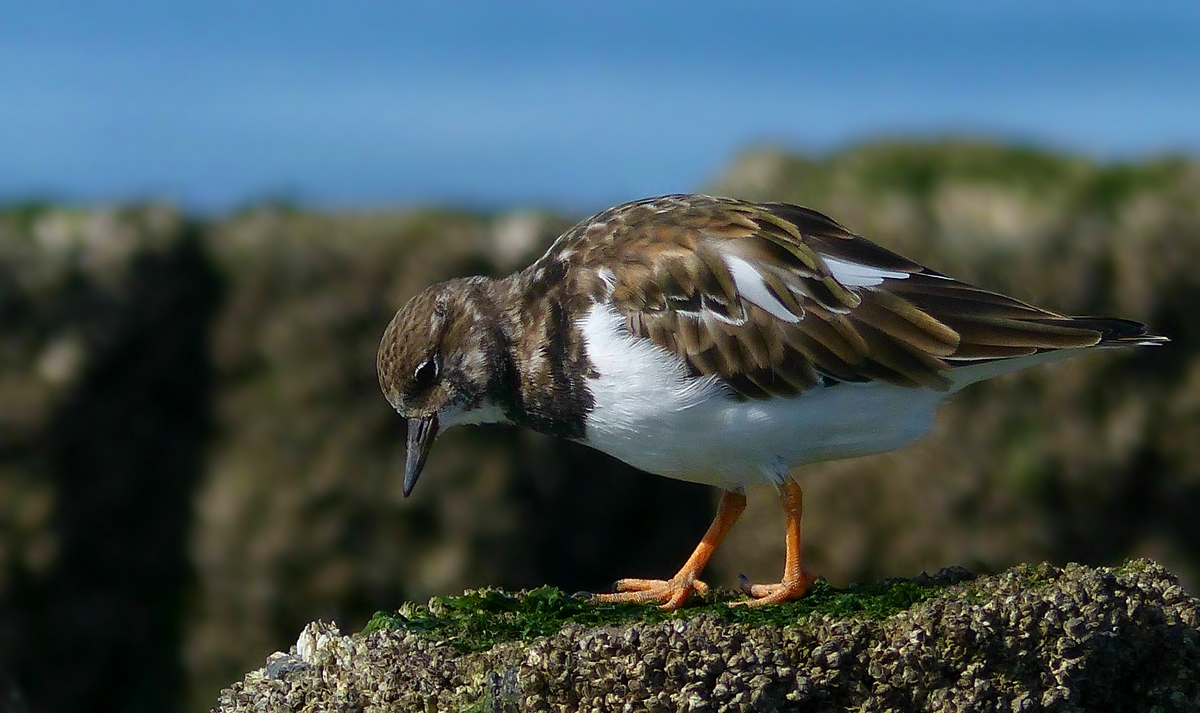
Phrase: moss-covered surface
(1033, 638)
(479, 619)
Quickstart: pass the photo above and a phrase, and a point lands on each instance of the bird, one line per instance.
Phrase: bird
(716, 341)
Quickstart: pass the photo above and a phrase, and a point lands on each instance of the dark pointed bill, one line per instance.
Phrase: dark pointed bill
(421, 432)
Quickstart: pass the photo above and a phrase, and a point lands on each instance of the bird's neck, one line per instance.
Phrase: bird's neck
(540, 364)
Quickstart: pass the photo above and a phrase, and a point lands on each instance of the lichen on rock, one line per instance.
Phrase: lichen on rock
(1032, 638)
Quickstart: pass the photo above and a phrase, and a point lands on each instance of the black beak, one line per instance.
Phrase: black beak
(421, 432)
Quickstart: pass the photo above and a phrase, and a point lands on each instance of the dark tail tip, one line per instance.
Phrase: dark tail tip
(1120, 332)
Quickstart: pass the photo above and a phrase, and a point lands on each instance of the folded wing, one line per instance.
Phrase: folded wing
(776, 299)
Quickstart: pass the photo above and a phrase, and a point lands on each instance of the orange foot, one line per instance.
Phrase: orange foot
(778, 593)
(669, 593)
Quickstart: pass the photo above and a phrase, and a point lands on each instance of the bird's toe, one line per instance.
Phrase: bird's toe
(669, 593)
(775, 593)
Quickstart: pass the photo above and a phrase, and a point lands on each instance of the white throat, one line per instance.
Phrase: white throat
(487, 412)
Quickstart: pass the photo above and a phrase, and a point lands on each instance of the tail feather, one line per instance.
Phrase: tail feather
(999, 339)
(1115, 332)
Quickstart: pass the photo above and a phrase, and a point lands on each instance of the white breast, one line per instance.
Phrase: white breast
(649, 413)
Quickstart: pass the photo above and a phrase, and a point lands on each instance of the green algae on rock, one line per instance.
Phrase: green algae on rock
(1032, 638)
(479, 619)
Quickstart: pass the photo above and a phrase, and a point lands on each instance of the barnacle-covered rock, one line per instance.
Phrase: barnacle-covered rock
(1033, 638)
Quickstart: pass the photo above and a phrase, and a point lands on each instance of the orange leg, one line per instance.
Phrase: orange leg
(672, 593)
(795, 580)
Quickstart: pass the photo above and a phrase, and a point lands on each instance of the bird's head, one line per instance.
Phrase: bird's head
(435, 362)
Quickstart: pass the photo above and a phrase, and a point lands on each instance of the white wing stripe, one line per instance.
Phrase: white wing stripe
(853, 274)
(752, 289)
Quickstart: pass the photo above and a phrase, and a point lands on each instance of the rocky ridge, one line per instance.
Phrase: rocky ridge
(1034, 638)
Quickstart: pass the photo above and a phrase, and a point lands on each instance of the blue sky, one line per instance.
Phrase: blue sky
(571, 105)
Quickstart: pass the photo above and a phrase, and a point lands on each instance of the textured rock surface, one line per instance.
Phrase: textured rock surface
(1032, 639)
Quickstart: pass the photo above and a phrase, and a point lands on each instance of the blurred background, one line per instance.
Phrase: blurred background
(210, 212)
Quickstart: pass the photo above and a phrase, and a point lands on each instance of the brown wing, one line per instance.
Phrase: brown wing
(774, 297)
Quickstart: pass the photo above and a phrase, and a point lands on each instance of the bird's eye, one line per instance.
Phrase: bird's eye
(425, 374)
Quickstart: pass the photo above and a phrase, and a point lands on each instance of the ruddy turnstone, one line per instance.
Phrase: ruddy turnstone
(715, 341)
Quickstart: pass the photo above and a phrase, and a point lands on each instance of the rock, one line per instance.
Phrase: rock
(1032, 638)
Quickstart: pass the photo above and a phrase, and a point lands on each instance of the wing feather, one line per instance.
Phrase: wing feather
(904, 322)
(1006, 332)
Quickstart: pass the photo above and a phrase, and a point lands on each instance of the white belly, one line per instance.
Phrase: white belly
(649, 413)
